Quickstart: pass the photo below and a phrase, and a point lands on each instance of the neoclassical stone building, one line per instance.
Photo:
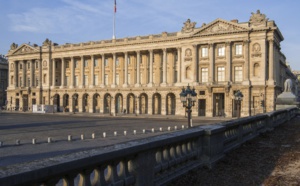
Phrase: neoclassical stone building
(145, 74)
(3, 79)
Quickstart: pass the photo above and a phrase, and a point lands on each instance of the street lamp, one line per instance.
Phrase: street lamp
(188, 99)
(238, 96)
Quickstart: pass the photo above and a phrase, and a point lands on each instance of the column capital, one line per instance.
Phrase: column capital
(211, 45)
(228, 43)
(271, 41)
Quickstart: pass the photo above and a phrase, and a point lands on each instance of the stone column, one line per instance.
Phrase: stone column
(271, 61)
(126, 70)
(40, 77)
(211, 77)
(53, 73)
(92, 72)
(72, 66)
(246, 67)
(82, 83)
(23, 74)
(164, 81)
(63, 73)
(228, 62)
(178, 65)
(195, 64)
(114, 70)
(102, 70)
(138, 61)
(150, 84)
(16, 74)
(31, 73)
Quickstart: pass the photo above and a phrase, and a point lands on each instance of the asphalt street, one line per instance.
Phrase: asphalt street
(26, 126)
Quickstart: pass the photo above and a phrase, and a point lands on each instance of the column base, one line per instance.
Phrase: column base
(91, 86)
(113, 86)
(150, 85)
(125, 85)
(137, 85)
(163, 84)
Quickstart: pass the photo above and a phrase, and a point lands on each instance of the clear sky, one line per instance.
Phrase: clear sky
(75, 21)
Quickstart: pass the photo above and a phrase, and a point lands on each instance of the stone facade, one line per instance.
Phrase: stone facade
(3, 79)
(145, 74)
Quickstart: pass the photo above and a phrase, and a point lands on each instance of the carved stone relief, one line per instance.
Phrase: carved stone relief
(188, 26)
(258, 19)
(256, 50)
(188, 55)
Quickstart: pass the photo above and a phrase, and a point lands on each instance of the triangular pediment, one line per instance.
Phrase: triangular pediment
(24, 49)
(219, 26)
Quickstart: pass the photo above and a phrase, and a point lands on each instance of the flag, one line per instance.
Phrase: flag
(115, 8)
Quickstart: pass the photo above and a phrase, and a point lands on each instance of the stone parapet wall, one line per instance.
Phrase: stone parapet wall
(151, 161)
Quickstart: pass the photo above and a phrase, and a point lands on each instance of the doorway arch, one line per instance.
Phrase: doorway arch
(156, 103)
(170, 104)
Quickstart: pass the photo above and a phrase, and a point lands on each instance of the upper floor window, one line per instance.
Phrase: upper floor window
(221, 74)
(106, 62)
(204, 52)
(67, 64)
(76, 64)
(238, 49)
(21, 66)
(28, 65)
(86, 80)
(221, 51)
(238, 73)
(37, 65)
(117, 61)
(86, 63)
(106, 79)
(95, 62)
(204, 75)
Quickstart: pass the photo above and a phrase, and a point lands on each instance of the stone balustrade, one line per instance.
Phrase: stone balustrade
(152, 161)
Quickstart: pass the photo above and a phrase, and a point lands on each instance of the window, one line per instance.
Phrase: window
(204, 75)
(86, 80)
(28, 65)
(96, 79)
(76, 64)
(76, 81)
(117, 79)
(221, 74)
(56, 64)
(202, 92)
(221, 51)
(129, 79)
(106, 79)
(28, 80)
(238, 73)
(20, 83)
(238, 49)
(204, 52)
(37, 81)
(86, 63)
(117, 62)
(67, 64)
(95, 62)
(12, 80)
(128, 60)
(37, 65)
(21, 66)
(106, 62)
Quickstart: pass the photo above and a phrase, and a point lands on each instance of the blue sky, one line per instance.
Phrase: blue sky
(75, 21)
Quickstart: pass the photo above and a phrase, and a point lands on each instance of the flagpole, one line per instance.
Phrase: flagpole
(114, 20)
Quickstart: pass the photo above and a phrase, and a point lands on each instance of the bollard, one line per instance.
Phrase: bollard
(33, 141)
(152, 130)
(160, 129)
(134, 132)
(125, 132)
(115, 133)
(93, 136)
(104, 134)
(144, 131)
(169, 128)
(175, 128)
(1, 143)
(69, 137)
(82, 136)
(18, 142)
(182, 126)
(49, 140)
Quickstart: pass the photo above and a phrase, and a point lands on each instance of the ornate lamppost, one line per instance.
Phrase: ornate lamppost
(188, 99)
(238, 97)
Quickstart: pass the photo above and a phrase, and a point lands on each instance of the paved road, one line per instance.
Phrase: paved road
(26, 126)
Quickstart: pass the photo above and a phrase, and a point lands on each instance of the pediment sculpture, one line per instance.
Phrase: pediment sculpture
(13, 46)
(47, 42)
(258, 19)
(188, 26)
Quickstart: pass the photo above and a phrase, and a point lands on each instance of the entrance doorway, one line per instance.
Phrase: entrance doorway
(201, 107)
(218, 104)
